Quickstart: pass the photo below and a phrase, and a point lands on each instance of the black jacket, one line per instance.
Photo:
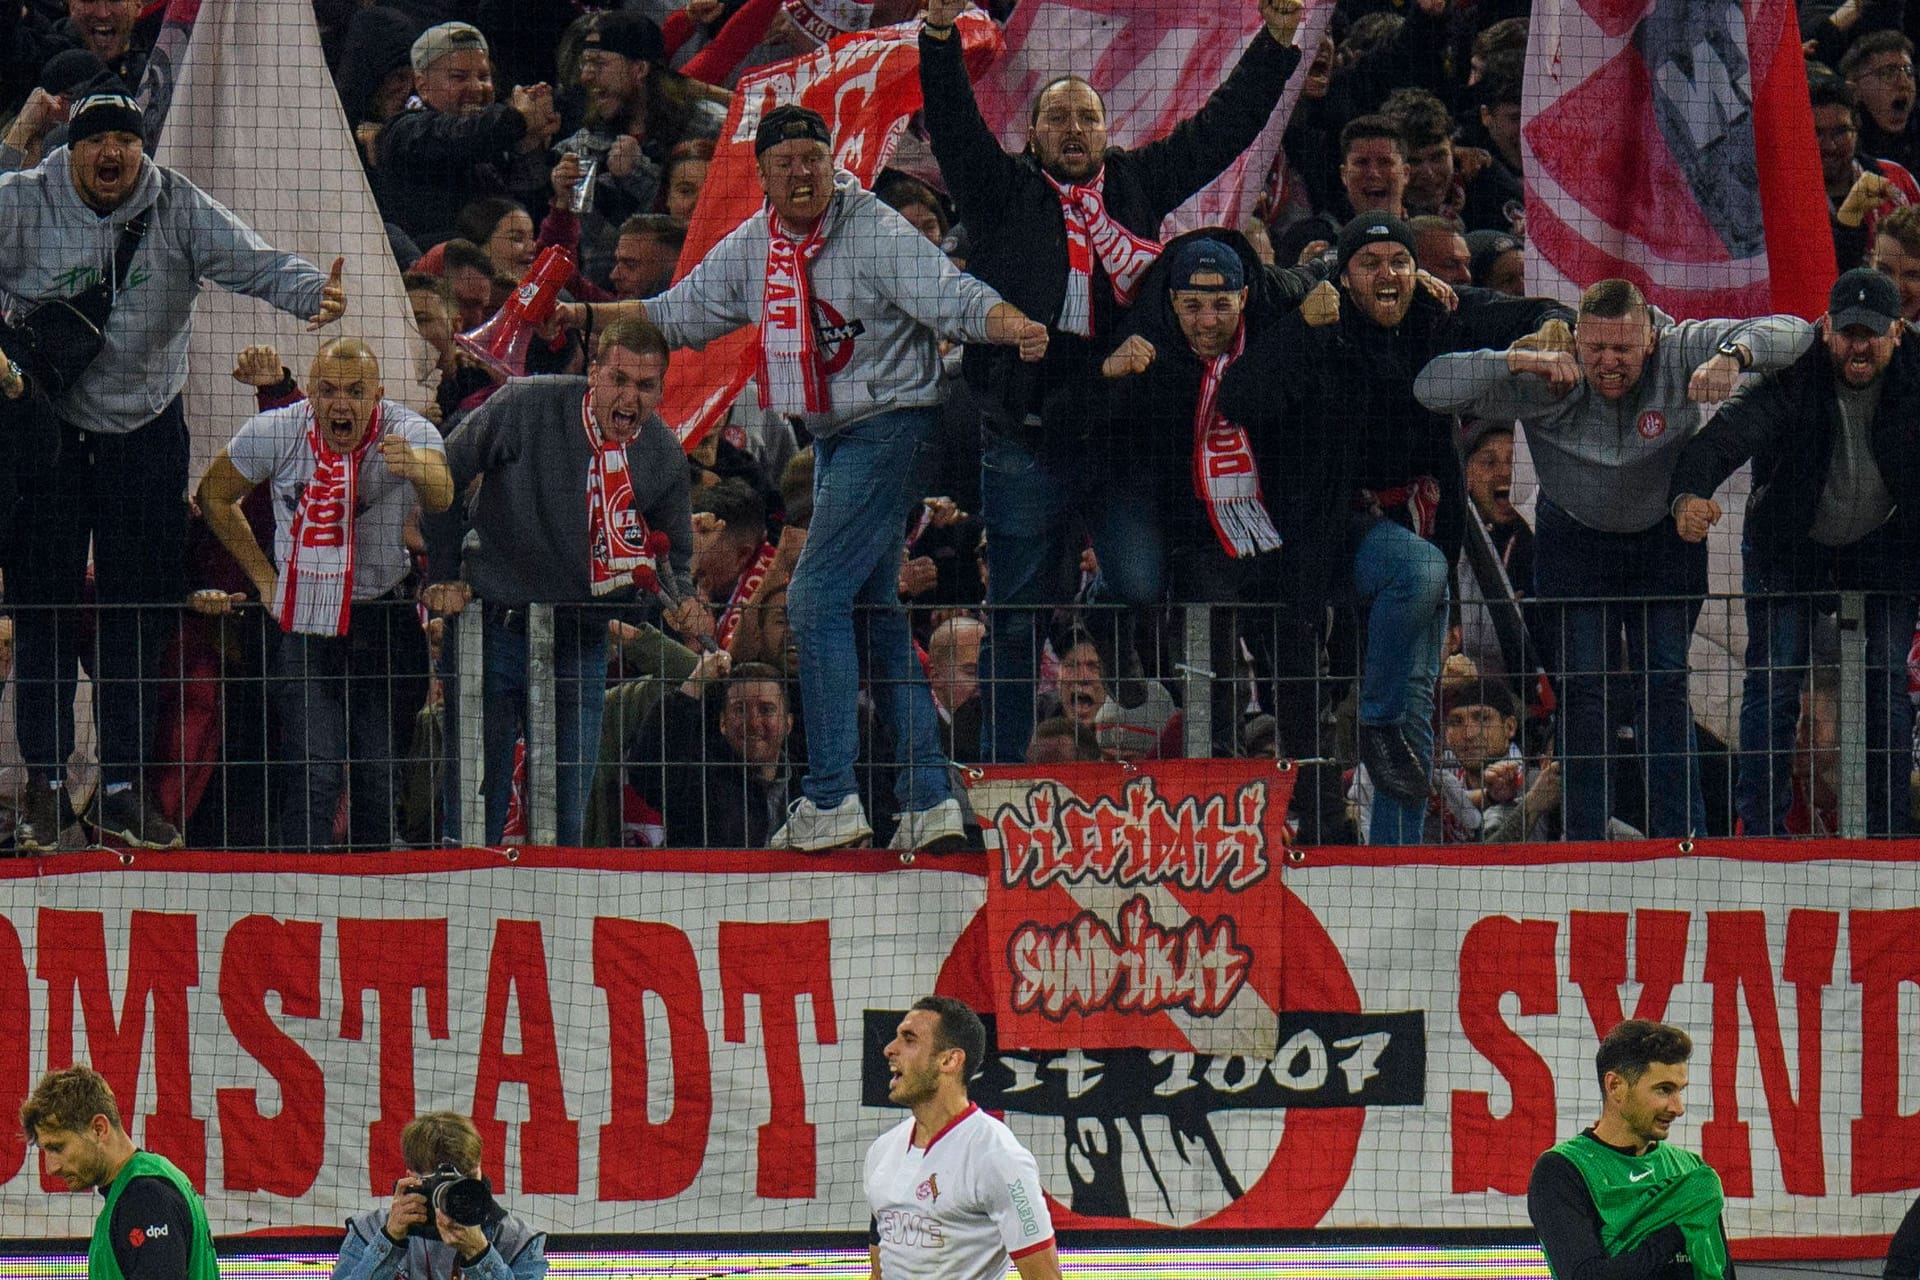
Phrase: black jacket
(705, 795)
(433, 164)
(1331, 411)
(1150, 414)
(1017, 241)
(1786, 422)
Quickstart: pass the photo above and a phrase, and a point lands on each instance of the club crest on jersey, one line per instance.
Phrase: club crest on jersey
(1652, 424)
(928, 1190)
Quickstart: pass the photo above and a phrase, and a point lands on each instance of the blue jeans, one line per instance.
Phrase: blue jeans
(1779, 634)
(580, 686)
(1028, 497)
(855, 546)
(1573, 561)
(1401, 580)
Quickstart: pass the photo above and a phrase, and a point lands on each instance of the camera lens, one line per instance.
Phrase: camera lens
(464, 1200)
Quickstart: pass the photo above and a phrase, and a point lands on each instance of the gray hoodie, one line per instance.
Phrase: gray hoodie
(52, 245)
(1607, 462)
(884, 290)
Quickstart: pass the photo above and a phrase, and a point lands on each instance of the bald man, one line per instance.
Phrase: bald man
(350, 663)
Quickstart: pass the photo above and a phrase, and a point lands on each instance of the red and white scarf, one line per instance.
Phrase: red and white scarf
(749, 582)
(616, 535)
(1093, 233)
(793, 376)
(1225, 476)
(316, 584)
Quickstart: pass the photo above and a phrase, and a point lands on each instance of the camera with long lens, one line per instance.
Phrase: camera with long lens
(467, 1202)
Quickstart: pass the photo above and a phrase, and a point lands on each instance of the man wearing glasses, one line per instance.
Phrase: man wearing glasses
(1879, 70)
(1861, 189)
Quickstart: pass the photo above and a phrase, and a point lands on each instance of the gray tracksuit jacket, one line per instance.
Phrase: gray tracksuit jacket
(1607, 462)
(883, 298)
(52, 245)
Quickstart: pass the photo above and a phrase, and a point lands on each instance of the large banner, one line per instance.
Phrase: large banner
(1670, 142)
(691, 1042)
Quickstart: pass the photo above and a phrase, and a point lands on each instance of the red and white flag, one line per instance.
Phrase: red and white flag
(1154, 62)
(1670, 142)
(866, 85)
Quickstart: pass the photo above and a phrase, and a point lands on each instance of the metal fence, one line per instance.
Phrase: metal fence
(403, 733)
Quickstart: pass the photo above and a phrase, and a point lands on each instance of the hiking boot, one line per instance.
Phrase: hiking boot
(1393, 764)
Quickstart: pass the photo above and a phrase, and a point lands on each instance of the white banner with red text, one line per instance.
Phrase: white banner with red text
(691, 1042)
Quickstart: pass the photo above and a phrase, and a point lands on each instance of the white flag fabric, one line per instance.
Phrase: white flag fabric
(256, 123)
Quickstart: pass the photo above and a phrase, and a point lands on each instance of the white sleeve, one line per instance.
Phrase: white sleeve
(421, 434)
(1010, 1185)
(257, 449)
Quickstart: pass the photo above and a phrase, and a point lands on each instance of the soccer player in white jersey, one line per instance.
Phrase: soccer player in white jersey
(954, 1194)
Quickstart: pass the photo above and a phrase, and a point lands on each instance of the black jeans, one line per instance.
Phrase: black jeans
(125, 495)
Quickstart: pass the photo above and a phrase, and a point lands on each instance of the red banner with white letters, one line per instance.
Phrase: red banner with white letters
(692, 1042)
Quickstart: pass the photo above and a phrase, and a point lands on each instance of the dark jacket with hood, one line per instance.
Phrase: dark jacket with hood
(1331, 411)
(1017, 239)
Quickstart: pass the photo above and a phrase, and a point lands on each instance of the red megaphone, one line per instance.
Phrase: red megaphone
(501, 343)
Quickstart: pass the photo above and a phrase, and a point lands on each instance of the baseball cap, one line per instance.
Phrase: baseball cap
(1371, 228)
(1865, 298)
(785, 123)
(436, 43)
(631, 35)
(1206, 264)
(1484, 248)
(103, 113)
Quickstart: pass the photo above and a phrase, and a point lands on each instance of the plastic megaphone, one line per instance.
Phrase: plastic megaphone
(501, 343)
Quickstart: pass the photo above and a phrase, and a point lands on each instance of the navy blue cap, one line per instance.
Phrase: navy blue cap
(1206, 264)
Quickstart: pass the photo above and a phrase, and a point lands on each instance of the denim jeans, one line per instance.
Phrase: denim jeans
(580, 685)
(348, 700)
(1573, 561)
(1780, 616)
(1028, 498)
(855, 546)
(1401, 580)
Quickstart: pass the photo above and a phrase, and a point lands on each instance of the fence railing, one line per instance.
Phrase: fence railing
(583, 724)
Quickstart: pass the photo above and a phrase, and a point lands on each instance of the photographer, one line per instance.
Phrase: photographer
(413, 1238)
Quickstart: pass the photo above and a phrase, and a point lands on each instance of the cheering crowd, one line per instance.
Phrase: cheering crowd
(998, 431)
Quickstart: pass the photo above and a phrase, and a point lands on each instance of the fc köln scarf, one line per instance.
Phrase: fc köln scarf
(793, 377)
(616, 536)
(756, 573)
(316, 583)
(1224, 475)
(1093, 233)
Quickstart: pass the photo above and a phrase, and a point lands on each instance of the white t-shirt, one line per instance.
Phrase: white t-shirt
(272, 446)
(961, 1207)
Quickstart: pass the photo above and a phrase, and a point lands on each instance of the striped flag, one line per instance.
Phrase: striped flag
(1670, 142)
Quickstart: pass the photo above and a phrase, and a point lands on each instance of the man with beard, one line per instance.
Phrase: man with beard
(104, 479)
(638, 109)
(110, 30)
(1835, 507)
(151, 1222)
(1363, 484)
(851, 303)
(347, 466)
(1065, 230)
(1605, 424)
(1616, 1199)
(954, 1194)
(454, 143)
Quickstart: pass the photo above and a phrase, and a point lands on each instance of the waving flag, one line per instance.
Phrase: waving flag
(1670, 142)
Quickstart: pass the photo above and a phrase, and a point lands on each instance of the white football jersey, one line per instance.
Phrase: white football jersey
(961, 1207)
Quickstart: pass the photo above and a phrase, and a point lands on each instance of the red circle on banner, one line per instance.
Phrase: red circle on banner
(1314, 1155)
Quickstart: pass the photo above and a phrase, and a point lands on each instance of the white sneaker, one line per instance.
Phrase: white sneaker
(811, 829)
(936, 829)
